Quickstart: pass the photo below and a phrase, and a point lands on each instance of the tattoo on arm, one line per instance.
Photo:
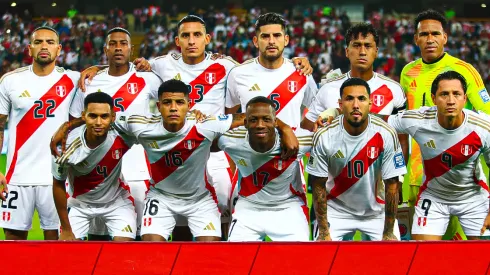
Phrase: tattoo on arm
(391, 204)
(320, 203)
(238, 120)
(3, 121)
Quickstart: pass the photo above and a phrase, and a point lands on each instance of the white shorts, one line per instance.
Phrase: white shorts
(432, 218)
(220, 178)
(252, 223)
(119, 217)
(161, 212)
(18, 209)
(343, 228)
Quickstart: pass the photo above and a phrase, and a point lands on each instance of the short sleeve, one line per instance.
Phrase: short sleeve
(393, 162)
(232, 98)
(327, 97)
(121, 124)
(5, 102)
(400, 103)
(154, 82)
(215, 126)
(311, 91)
(305, 139)
(318, 162)
(59, 171)
(158, 65)
(76, 107)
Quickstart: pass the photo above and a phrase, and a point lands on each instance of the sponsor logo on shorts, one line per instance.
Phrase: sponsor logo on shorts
(484, 95)
(222, 117)
(399, 161)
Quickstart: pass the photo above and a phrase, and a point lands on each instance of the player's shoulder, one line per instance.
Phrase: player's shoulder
(304, 136)
(145, 119)
(226, 61)
(236, 134)
(70, 73)
(422, 113)
(151, 76)
(326, 80)
(325, 132)
(15, 73)
(392, 84)
(382, 127)
(246, 65)
(478, 120)
(412, 64)
(73, 144)
(332, 84)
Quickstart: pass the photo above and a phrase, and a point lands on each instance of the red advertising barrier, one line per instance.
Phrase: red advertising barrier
(464, 257)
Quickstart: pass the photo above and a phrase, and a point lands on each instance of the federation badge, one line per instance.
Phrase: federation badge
(189, 144)
(372, 152)
(117, 154)
(378, 100)
(61, 91)
(293, 86)
(210, 78)
(132, 88)
(278, 164)
(466, 150)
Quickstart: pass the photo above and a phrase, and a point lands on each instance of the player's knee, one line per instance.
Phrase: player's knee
(122, 239)
(51, 235)
(15, 235)
(153, 238)
(208, 239)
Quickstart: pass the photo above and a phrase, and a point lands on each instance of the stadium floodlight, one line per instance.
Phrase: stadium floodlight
(53, 4)
(483, 5)
(13, 4)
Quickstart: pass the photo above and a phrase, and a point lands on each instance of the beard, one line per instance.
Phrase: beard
(273, 57)
(356, 124)
(44, 61)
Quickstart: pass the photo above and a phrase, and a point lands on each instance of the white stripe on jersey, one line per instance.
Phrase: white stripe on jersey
(93, 174)
(264, 178)
(356, 165)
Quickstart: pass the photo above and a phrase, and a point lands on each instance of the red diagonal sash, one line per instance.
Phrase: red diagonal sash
(177, 156)
(204, 82)
(435, 167)
(128, 92)
(380, 98)
(37, 115)
(266, 173)
(85, 183)
(346, 180)
(286, 91)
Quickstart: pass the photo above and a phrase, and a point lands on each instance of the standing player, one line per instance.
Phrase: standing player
(36, 99)
(352, 155)
(271, 75)
(451, 139)
(272, 199)
(131, 91)
(417, 77)
(206, 77)
(92, 165)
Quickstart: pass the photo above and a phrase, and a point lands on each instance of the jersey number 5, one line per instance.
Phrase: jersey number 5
(118, 104)
(44, 109)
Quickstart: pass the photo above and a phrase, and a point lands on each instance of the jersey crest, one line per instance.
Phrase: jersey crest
(378, 100)
(132, 88)
(293, 86)
(61, 91)
(189, 144)
(372, 152)
(466, 150)
(117, 154)
(210, 78)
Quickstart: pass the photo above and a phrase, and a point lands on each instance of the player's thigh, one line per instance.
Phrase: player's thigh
(46, 209)
(138, 190)
(97, 228)
(288, 224)
(247, 224)
(373, 228)
(121, 220)
(472, 216)
(220, 179)
(80, 220)
(340, 227)
(18, 208)
(430, 218)
(204, 218)
(158, 217)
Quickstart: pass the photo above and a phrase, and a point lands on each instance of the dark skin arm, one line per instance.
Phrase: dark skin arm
(391, 208)
(320, 206)
(3, 181)
(59, 195)
(62, 134)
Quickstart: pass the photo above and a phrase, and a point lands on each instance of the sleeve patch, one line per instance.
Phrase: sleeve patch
(223, 117)
(399, 161)
(484, 95)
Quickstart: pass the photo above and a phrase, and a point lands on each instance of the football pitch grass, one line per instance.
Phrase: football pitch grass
(37, 234)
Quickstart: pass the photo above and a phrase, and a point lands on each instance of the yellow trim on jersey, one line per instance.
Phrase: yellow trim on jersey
(143, 120)
(472, 71)
(479, 122)
(318, 133)
(231, 60)
(71, 149)
(378, 121)
(390, 80)
(335, 78)
(234, 136)
(13, 72)
(176, 56)
(161, 56)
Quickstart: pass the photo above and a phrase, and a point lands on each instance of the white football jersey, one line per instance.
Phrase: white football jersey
(284, 86)
(36, 106)
(386, 94)
(93, 174)
(131, 93)
(265, 178)
(206, 79)
(356, 165)
(452, 170)
(177, 159)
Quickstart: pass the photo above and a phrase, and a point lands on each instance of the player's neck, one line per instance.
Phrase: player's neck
(94, 141)
(263, 147)
(355, 131)
(118, 70)
(174, 128)
(42, 70)
(271, 64)
(193, 60)
(450, 123)
(366, 75)
(435, 60)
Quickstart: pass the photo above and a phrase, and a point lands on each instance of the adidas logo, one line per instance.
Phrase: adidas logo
(154, 145)
(177, 77)
(338, 155)
(255, 87)
(242, 162)
(413, 84)
(210, 226)
(127, 229)
(430, 144)
(25, 94)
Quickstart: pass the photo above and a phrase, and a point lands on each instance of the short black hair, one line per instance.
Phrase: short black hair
(49, 29)
(430, 15)
(98, 97)
(361, 29)
(174, 86)
(270, 18)
(354, 81)
(448, 75)
(191, 18)
(260, 99)
(118, 29)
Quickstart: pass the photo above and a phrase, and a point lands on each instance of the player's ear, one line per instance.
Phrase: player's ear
(347, 51)
(444, 34)
(340, 103)
(83, 116)
(30, 50)
(177, 41)
(245, 123)
(113, 114)
(58, 51)
(286, 40)
(255, 40)
(207, 38)
(433, 97)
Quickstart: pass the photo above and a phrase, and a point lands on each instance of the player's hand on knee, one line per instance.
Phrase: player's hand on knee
(325, 236)
(486, 225)
(142, 65)
(3, 187)
(67, 235)
(87, 74)
(289, 144)
(59, 138)
(200, 117)
(389, 237)
(302, 64)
